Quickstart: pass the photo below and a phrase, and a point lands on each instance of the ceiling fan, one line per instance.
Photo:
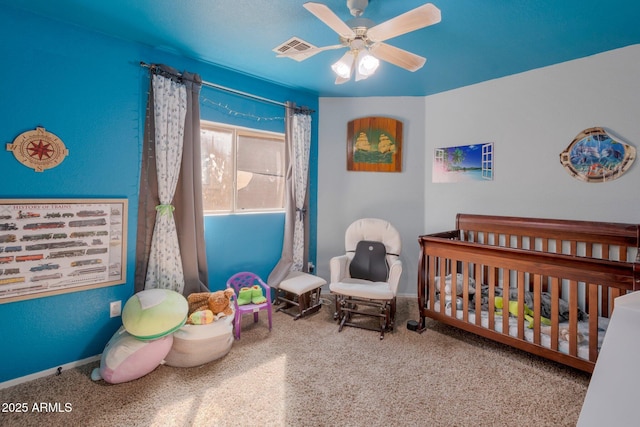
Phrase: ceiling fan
(365, 40)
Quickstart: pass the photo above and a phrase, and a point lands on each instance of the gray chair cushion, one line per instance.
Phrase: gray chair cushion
(369, 262)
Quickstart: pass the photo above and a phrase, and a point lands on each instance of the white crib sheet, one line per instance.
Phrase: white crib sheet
(545, 340)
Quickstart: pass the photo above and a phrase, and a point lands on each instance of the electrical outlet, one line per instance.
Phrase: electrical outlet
(115, 308)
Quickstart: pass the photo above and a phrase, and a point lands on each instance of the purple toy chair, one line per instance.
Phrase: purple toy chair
(247, 280)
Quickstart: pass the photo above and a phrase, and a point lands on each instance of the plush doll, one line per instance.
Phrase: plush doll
(201, 317)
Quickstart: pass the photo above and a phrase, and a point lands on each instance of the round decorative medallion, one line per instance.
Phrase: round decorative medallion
(595, 156)
(38, 149)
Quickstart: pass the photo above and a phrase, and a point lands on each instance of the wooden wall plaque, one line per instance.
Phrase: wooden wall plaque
(374, 144)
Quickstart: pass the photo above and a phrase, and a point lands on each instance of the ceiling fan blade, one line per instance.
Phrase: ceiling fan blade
(420, 17)
(396, 56)
(326, 15)
(309, 52)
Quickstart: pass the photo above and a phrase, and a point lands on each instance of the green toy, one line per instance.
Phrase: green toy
(257, 297)
(513, 309)
(244, 296)
(251, 295)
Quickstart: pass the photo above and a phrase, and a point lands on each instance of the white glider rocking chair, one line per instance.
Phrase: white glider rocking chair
(365, 279)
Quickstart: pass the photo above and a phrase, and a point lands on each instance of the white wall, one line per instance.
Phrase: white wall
(343, 196)
(530, 117)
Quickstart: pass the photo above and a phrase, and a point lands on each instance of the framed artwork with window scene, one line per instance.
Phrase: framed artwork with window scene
(463, 163)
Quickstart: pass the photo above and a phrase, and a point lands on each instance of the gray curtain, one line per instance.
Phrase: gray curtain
(188, 196)
(297, 141)
(187, 199)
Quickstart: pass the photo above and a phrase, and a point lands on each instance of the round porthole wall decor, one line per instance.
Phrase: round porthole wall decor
(595, 156)
(38, 149)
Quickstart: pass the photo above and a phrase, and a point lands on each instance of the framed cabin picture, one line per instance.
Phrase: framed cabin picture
(374, 144)
(55, 246)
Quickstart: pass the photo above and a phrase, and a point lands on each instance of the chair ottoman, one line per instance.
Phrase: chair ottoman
(300, 291)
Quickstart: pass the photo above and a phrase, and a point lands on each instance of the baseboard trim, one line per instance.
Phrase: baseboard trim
(47, 372)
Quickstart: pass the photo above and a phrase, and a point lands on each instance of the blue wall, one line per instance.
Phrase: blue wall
(249, 241)
(91, 92)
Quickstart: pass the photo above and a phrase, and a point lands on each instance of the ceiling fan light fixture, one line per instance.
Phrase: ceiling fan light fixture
(344, 66)
(364, 39)
(367, 64)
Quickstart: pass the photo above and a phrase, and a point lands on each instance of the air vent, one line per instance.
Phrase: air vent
(294, 44)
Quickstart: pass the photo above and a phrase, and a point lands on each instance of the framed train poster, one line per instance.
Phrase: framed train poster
(55, 246)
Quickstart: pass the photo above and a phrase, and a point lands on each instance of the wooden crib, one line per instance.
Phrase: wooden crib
(558, 279)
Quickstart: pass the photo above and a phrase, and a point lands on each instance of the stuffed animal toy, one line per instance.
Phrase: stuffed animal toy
(201, 317)
(513, 309)
(198, 301)
(218, 303)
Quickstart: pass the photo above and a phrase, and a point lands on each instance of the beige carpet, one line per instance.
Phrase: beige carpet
(305, 373)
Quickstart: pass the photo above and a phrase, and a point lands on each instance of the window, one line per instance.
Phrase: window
(242, 169)
(487, 161)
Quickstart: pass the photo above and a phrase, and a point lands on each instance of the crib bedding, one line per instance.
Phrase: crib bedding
(563, 274)
(545, 338)
(545, 302)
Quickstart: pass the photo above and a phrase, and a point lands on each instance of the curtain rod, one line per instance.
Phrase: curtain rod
(238, 92)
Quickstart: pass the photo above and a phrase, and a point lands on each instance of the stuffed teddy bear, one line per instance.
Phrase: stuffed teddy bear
(218, 303)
